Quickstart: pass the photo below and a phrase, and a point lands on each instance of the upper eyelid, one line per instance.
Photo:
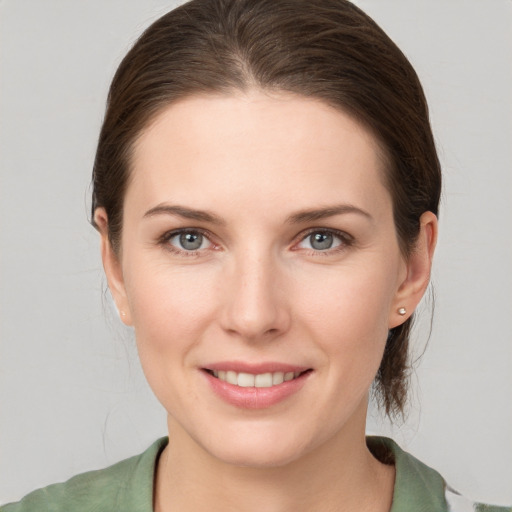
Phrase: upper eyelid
(337, 232)
(173, 232)
(346, 237)
(168, 235)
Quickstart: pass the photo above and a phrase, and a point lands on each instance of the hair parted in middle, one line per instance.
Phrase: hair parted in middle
(324, 49)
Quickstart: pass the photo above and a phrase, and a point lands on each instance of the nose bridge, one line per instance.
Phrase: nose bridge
(254, 305)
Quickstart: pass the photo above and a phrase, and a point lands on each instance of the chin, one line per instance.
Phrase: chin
(259, 448)
(258, 457)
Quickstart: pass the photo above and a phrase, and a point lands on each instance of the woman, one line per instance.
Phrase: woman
(266, 188)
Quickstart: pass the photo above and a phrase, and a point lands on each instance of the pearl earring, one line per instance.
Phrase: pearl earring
(402, 311)
(123, 313)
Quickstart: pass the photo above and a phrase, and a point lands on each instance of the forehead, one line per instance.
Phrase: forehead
(256, 147)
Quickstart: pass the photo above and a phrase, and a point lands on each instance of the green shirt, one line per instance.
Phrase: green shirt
(128, 487)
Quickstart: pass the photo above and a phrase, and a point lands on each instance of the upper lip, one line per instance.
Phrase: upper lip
(255, 368)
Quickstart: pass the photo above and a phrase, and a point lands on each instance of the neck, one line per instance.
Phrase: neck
(339, 475)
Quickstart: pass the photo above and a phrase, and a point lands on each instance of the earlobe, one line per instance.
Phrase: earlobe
(112, 267)
(419, 265)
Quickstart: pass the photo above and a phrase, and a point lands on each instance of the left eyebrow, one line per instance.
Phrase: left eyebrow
(323, 213)
(186, 213)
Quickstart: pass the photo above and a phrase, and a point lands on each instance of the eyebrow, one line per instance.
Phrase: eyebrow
(323, 213)
(297, 218)
(186, 213)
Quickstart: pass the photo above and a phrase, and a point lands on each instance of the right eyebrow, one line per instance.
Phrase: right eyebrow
(186, 213)
(329, 211)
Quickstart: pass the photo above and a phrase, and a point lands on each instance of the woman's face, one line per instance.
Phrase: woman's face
(259, 246)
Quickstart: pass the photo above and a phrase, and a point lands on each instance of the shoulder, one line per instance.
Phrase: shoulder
(419, 487)
(458, 503)
(127, 485)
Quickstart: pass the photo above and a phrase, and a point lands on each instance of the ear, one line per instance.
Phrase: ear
(418, 267)
(112, 267)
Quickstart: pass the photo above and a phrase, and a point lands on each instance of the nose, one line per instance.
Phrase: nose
(255, 305)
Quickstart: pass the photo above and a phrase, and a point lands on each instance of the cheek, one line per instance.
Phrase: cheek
(170, 306)
(350, 304)
(348, 320)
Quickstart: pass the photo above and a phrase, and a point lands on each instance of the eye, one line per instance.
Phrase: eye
(188, 241)
(324, 240)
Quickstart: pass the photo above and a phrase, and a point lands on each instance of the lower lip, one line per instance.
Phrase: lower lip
(256, 398)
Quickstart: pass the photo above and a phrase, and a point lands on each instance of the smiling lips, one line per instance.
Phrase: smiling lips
(255, 388)
(260, 380)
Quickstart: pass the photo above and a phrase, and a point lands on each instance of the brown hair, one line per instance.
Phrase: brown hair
(326, 49)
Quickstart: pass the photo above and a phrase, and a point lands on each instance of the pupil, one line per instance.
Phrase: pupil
(321, 241)
(191, 241)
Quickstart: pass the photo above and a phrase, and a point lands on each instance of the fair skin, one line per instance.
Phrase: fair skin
(258, 237)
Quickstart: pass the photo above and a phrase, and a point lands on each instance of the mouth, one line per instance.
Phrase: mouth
(255, 385)
(259, 380)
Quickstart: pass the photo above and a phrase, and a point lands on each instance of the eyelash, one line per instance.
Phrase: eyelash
(166, 237)
(345, 239)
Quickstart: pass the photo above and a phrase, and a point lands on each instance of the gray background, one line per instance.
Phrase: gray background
(72, 396)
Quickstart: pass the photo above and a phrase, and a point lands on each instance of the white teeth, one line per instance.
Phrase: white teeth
(231, 377)
(277, 378)
(245, 380)
(261, 380)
